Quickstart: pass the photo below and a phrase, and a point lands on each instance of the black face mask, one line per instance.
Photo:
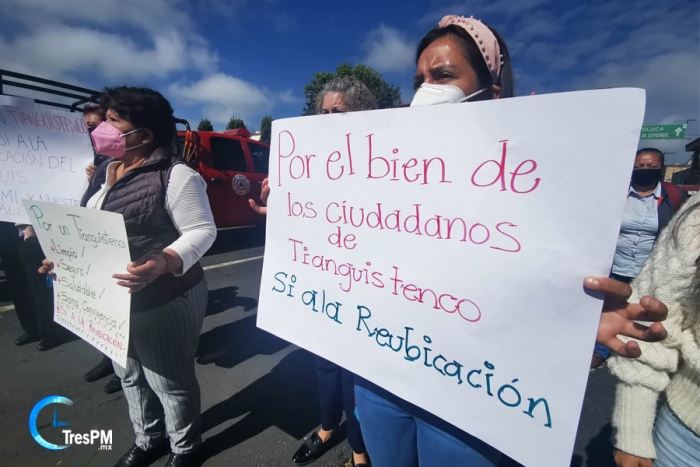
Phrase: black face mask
(646, 177)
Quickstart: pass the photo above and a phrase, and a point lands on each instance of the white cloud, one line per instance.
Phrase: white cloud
(671, 81)
(288, 97)
(114, 39)
(389, 50)
(482, 9)
(134, 42)
(230, 10)
(222, 96)
(112, 56)
(662, 59)
(656, 49)
(148, 15)
(649, 44)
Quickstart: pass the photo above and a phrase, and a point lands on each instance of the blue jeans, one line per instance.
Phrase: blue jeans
(399, 434)
(601, 350)
(675, 444)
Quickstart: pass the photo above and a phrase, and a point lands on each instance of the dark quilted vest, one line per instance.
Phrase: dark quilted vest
(139, 196)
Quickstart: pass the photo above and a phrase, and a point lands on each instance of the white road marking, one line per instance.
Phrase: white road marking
(231, 263)
(236, 228)
(206, 268)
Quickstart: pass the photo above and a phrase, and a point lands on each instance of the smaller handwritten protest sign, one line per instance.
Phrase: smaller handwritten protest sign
(43, 155)
(87, 246)
(440, 252)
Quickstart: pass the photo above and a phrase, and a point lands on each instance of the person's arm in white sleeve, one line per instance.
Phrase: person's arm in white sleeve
(188, 205)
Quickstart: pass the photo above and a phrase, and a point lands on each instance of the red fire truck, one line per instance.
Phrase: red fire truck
(234, 166)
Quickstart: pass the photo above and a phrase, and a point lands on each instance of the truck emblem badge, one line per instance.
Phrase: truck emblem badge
(240, 184)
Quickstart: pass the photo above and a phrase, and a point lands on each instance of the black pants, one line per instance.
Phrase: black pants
(32, 298)
(336, 391)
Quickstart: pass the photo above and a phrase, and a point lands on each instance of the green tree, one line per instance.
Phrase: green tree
(387, 94)
(235, 123)
(266, 129)
(205, 125)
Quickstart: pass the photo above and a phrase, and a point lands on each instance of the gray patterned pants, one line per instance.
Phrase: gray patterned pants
(159, 381)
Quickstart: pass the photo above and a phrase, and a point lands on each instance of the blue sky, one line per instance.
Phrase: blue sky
(215, 58)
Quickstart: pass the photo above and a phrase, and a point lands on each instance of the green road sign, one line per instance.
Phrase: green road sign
(664, 131)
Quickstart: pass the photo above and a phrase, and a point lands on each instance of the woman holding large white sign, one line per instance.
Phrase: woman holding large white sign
(460, 60)
(169, 226)
(455, 64)
(464, 60)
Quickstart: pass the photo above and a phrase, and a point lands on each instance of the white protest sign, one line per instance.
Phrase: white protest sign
(87, 246)
(440, 253)
(17, 101)
(43, 155)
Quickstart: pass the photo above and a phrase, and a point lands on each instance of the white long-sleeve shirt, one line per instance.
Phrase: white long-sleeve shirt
(188, 206)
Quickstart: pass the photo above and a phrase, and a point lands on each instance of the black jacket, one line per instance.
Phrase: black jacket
(140, 197)
(665, 210)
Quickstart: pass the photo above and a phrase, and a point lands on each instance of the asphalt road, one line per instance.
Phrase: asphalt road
(259, 398)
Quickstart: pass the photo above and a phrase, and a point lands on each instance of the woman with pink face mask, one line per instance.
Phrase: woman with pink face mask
(170, 226)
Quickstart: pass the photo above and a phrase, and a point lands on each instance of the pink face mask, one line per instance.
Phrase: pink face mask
(110, 142)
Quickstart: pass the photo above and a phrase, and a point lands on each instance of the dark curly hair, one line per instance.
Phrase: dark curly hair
(356, 94)
(474, 57)
(143, 108)
(91, 108)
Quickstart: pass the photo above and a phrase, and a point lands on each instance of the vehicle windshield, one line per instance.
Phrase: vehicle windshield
(261, 156)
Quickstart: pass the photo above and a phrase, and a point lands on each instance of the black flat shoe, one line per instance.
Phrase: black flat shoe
(25, 339)
(113, 385)
(351, 463)
(102, 369)
(182, 460)
(48, 343)
(312, 449)
(137, 457)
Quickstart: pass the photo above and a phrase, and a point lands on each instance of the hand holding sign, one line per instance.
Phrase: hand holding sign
(429, 256)
(264, 193)
(142, 272)
(148, 268)
(90, 170)
(619, 315)
(47, 268)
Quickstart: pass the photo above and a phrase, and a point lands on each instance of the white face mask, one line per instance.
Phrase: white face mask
(433, 94)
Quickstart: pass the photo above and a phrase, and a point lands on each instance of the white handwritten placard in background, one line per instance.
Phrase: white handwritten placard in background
(87, 246)
(440, 252)
(43, 155)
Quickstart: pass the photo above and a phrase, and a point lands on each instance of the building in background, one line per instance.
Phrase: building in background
(687, 176)
(677, 173)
